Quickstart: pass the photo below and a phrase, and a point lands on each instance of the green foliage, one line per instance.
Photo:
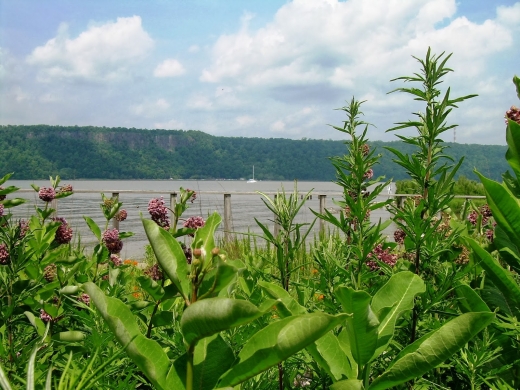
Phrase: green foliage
(349, 311)
(120, 153)
(354, 173)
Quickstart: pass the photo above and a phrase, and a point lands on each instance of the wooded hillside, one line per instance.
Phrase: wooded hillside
(35, 152)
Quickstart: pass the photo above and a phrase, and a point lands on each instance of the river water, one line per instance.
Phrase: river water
(246, 204)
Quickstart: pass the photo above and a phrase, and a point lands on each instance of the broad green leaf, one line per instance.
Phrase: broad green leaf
(209, 316)
(151, 287)
(349, 384)
(516, 81)
(69, 336)
(344, 343)
(501, 277)
(362, 324)
(327, 352)
(10, 203)
(469, 300)
(217, 279)
(170, 256)
(390, 301)
(36, 322)
(212, 358)
(513, 151)
(94, 228)
(495, 299)
(163, 318)
(507, 249)
(287, 305)
(147, 354)
(6, 177)
(504, 206)
(432, 349)
(204, 237)
(4, 380)
(278, 341)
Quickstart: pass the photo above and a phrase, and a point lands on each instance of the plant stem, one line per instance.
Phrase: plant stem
(189, 368)
(280, 376)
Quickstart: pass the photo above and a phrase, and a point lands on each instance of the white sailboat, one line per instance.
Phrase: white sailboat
(253, 179)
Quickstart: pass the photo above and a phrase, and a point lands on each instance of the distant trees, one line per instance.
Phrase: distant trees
(35, 152)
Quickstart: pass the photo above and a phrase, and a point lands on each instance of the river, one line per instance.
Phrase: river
(246, 204)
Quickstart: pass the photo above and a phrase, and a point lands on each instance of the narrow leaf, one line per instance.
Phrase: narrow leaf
(94, 228)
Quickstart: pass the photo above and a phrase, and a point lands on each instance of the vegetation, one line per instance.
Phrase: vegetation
(437, 307)
(118, 153)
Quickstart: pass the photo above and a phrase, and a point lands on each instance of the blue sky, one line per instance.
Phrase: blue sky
(274, 69)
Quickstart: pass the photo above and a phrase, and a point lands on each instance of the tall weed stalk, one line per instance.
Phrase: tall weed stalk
(427, 241)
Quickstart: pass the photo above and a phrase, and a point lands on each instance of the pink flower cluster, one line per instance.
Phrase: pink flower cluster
(473, 217)
(24, 228)
(194, 222)
(64, 233)
(44, 316)
(382, 255)
(47, 194)
(4, 254)
(514, 114)
(486, 213)
(193, 196)
(121, 215)
(111, 240)
(154, 272)
(66, 188)
(50, 272)
(1, 210)
(369, 174)
(159, 212)
(116, 260)
(187, 253)
(399, 236)
(85, 299)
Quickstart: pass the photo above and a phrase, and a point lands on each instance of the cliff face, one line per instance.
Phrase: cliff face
(133, 140)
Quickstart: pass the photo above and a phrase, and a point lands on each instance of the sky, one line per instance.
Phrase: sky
(257, 68)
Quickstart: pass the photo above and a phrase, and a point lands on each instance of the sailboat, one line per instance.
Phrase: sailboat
(253, 179)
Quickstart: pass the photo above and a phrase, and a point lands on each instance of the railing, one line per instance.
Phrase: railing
(244, 208)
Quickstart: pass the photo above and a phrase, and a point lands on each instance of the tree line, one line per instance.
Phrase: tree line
(74, 152)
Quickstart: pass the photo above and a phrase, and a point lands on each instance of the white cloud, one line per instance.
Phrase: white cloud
(104, 52)
(318, 52)
(278, 126)
(149, 108)
(194, 49)
(169, 68)
(244, 120)
(20, 95)
(343, 43)
(49, 98)
(509, 15)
